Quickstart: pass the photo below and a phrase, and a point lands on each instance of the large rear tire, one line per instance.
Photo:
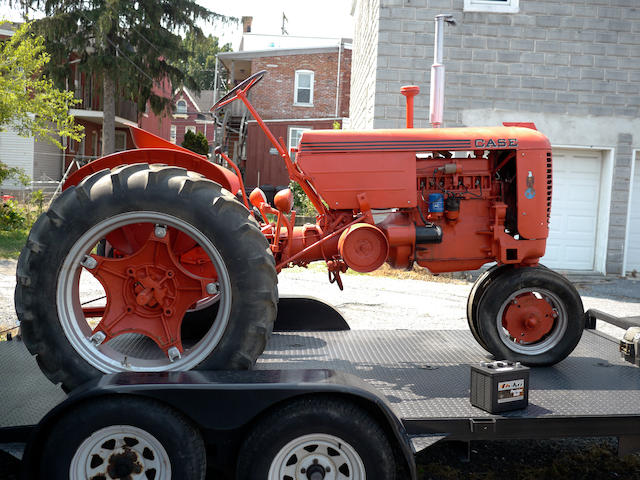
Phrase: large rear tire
(148, 289)
(532, 315)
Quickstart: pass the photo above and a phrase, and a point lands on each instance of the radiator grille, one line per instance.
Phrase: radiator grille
(549, 186)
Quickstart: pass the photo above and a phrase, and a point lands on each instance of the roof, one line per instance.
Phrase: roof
(203, 101)
(276, 52)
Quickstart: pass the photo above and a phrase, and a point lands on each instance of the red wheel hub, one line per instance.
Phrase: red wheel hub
(528, 318)
(148, 292)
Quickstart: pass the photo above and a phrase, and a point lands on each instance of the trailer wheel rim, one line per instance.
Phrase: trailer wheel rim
(317, 455)
(120, 451)
(105, 357)
(544, 326)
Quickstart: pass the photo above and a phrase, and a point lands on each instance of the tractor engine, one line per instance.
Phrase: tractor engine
(448, 199)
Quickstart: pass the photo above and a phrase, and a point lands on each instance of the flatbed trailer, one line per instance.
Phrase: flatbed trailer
(415, 384)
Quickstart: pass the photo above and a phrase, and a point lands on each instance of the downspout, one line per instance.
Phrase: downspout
(338, 79)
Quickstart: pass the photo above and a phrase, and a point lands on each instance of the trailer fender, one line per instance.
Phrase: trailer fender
(178, 158)
(228, 401)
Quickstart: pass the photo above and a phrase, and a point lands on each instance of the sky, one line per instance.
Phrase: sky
(309, 18)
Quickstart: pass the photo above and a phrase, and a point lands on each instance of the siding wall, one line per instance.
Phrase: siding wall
(47, 161)
(271, 167)
(16, 151)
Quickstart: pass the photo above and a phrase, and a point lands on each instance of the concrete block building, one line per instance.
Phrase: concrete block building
(572, 68)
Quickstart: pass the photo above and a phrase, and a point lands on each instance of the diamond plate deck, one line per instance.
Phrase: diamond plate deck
(423, 374)
(426, 373)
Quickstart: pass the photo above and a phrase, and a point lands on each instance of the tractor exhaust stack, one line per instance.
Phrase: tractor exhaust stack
(436, 103)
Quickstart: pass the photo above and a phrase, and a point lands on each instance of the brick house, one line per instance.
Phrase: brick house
(572, 67)
(305, 88)
(192, 113)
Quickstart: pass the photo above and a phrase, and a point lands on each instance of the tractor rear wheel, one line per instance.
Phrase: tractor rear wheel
(532, 315)
(181, 243)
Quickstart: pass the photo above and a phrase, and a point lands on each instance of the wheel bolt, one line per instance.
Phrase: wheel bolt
(160, 231)
(212, 288)
(89, 262)
(174, 354)
(97, 338)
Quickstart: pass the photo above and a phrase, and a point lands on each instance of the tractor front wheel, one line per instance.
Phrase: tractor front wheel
(531, 315)
(180, 243)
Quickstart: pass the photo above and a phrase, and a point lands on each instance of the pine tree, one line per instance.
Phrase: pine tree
(196, 142)
(128, 45)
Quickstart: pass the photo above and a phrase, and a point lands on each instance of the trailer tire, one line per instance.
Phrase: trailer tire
(535, 305)
(321, 433)
(53, 324)
(123, 436)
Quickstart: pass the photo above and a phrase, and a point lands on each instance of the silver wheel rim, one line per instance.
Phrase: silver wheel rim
(551, 339)
(108, 448)
(328, 455)
(105, 358)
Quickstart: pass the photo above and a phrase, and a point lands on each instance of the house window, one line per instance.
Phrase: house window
(294, 138)
(495, 6)
(303, 88)
(190, 128)
(172, 137)
(181, 106)
(121, 141)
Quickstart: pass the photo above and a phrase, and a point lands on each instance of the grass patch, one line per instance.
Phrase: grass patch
(12, 241)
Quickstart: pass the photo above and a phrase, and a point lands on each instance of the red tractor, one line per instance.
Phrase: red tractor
(187, 264)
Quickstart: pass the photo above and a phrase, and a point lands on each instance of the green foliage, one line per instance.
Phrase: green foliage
(29, 102)
(201, 60)
(196, 142)
(14, 173)
(137, 44)
(301, 203)
(12, 215)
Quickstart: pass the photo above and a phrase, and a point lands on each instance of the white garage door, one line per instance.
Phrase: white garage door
(574, 210)
(633, 241)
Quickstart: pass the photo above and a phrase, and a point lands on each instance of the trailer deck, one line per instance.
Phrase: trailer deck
(424, 375)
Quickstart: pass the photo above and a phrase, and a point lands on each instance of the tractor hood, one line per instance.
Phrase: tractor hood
(422, 139)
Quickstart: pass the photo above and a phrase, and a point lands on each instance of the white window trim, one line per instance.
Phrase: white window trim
(509, 6)
(289, 136)
(190, 128)
(295, 89)
(178, 108)
(174, 134)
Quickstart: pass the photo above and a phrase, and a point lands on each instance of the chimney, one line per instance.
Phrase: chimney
(246, 24)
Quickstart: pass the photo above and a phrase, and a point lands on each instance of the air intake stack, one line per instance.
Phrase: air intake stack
(436, 104)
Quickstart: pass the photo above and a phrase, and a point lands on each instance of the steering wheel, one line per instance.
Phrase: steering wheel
(245, 85)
